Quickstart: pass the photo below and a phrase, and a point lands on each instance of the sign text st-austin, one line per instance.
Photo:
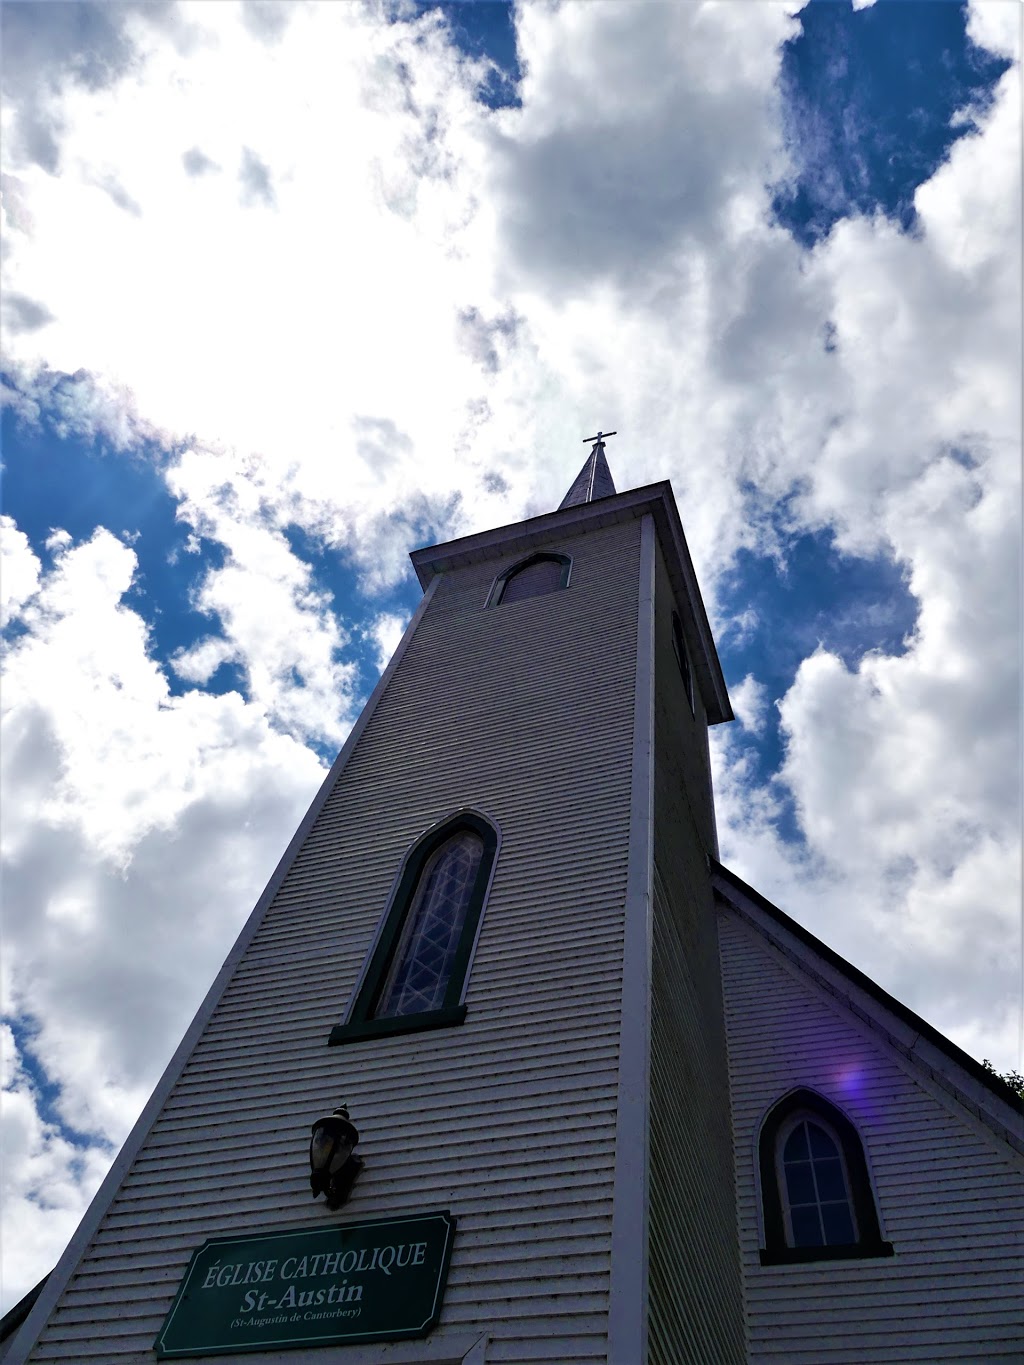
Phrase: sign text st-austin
(379, 1280)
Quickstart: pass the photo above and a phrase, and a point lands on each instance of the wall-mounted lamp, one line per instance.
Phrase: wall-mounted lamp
(333, 1165)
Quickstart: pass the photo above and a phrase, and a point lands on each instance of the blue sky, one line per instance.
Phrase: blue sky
(848, 603)
(871, 97)
(53, 481)
(254, 360)
(905, 69)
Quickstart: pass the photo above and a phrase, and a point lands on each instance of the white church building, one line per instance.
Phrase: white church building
(607, 1103)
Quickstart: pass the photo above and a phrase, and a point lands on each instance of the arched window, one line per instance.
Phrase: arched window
(417, 970)
(815, 1187)
(815, 1190)
(421, 965)
(531, 578)
(682, 658)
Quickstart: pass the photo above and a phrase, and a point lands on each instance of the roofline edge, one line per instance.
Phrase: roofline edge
(990, 1079)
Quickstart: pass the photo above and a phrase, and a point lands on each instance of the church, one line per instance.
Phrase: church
(505, 1066)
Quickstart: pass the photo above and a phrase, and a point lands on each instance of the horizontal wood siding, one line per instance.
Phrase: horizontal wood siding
(695, 1303)
(524, 712)
(950, 1194)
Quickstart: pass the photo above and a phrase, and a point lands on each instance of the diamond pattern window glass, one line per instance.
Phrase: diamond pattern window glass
(416, 970)
(422, 965)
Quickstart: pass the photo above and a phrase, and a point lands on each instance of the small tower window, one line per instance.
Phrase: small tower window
(531, 578)
(416, 973)
(816, 1193)
(682, 658)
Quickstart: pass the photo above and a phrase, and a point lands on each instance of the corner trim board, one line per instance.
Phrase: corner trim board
(26, 1339)
(627, 1309)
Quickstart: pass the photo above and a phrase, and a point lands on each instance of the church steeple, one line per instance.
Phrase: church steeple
(594, 480)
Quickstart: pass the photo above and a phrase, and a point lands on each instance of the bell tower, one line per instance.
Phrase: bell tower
(493, 938)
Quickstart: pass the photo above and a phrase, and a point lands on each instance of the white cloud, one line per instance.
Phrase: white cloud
(405, 334)
(47, 1179)
(19, 569)
(57, 541)
(282, 326)
(200, 661)
(975, 178)
(905, 776)
(634, 90)
(750, 703)
(386, 631)
(143, 828)
(273, 621)
(904, 769)
(995, 25)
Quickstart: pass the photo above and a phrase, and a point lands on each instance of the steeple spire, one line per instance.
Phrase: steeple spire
(594, 480)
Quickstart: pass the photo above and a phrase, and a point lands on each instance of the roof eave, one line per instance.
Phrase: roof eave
(935, 1043)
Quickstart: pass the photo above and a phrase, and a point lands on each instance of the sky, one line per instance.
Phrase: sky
(290, 290)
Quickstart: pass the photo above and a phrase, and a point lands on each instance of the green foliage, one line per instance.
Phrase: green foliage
(1014, 1079)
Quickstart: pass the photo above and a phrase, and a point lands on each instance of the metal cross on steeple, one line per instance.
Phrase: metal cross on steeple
(599, 438)
(594, 480)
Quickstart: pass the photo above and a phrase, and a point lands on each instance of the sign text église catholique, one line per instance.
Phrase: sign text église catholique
(378, 1280)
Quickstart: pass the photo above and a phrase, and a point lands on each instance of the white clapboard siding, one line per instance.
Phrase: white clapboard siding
(950, 1191)
(695, 1288)
(525, 713)
(695, 1304)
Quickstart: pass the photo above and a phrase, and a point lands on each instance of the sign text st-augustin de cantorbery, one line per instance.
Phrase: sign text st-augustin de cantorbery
(377, 1280)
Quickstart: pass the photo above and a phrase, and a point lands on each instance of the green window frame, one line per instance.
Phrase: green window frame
(497, 593)
(361, 1021)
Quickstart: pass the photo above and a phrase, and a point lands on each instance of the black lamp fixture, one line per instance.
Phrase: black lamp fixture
(333, 1165)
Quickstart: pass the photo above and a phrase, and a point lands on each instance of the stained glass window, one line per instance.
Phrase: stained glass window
(416, 970)
(422, 964)
(818, 1205)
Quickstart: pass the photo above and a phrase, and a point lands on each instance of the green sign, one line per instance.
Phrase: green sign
(379, 1280)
